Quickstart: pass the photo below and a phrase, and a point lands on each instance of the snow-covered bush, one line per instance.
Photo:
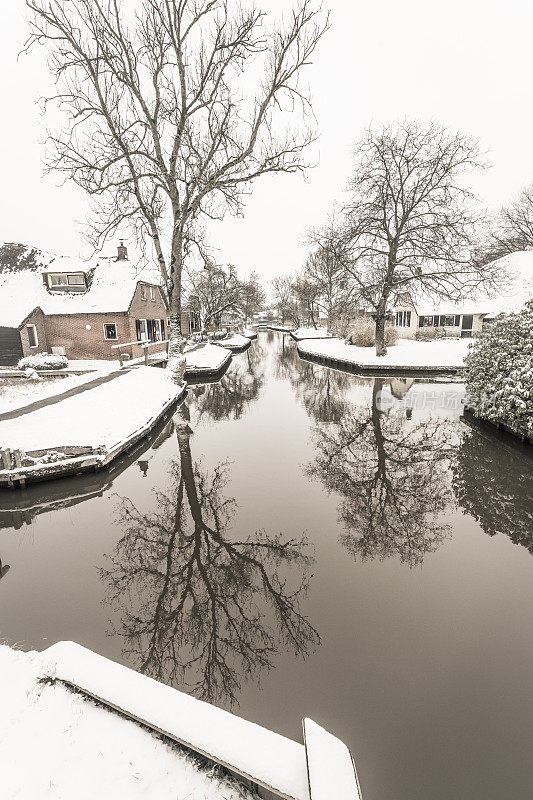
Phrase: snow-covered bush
(429, 334)
(499, 371)
(43, 361)
(363, 333)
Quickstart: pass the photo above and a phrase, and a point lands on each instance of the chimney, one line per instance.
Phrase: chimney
(122, 254)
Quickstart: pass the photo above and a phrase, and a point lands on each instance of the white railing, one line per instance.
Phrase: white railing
(141, 343)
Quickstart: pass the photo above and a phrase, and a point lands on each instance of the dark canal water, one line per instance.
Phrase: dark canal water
(299, 541)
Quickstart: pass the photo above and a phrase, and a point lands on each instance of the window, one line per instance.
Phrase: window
(141, 326)
(449, 319)
(156, 328)
(63, 280)
(403, 319)
(143, 291)
(76, 280)
(32, 336)
(168, 322)
(57, 280)
(425, 322)
(152, 294)
(110, 331)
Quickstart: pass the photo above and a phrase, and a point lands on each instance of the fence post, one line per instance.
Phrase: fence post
(120, 356)
(145, 347)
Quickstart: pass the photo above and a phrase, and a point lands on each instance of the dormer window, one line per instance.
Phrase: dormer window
(143, 291)
(73, 281)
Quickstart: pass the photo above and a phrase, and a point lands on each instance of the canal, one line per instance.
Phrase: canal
(300, 541)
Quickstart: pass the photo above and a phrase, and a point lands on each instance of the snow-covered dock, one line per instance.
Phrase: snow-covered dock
(408, 357)
(236, 343)
(206, 359)
(87, 430)
(272, 764)
(249, 333)
(300, 334)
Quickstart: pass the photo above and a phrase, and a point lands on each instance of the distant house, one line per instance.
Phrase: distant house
(470, 315)
(52, 303)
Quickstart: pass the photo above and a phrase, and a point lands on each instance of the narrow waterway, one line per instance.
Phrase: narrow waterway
(299, 541)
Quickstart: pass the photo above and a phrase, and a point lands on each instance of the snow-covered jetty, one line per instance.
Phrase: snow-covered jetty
(236, 343)
(84, 431)
(206, 359)
(321, 768)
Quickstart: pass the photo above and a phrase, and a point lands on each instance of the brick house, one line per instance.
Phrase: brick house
(82, 308)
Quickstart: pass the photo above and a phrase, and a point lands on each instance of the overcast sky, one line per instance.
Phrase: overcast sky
(466, 63)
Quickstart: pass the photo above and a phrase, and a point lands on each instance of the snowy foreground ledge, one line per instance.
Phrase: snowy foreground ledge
(114, 751)
(444, 354)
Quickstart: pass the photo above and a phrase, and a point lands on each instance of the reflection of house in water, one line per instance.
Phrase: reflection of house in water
(20, 508)
(400, 386)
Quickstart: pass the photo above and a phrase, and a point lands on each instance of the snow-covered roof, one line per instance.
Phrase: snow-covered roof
(22, 288)
(518, 290)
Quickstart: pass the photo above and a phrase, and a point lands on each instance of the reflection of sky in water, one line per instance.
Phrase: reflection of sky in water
(424, 663)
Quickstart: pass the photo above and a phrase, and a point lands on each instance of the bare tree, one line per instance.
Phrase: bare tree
(253, 296)
(516, 223)
(336, 291)
(410, 223)
(173, 108)
(283, 295)
(212, 291)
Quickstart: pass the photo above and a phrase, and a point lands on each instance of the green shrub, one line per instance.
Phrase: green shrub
(499, 371)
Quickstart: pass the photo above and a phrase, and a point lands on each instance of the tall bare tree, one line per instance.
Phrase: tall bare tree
(173, 108)
(410, 223)
(214, 290)
(284, 299)
(337, 293)
(516, 222)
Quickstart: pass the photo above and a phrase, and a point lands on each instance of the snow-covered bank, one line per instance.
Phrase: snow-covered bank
(281, 328)
(58, 744)
(206, 358)
(443, 354)
(100, 417)
(310, 333)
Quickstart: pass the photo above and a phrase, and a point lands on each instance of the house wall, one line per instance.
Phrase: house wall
(407, 332)
(36, 318)
(70, 331)
(451, 330)
(146, 309)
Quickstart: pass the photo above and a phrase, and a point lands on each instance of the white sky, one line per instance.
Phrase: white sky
(466, 63)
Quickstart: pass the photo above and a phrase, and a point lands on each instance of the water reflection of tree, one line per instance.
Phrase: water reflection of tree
(321, 390)
(194, 603)
(393, 476)
(493, 484)
(240, 386)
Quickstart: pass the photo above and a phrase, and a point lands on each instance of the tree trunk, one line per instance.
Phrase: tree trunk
(176, 360)
(381, 348)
